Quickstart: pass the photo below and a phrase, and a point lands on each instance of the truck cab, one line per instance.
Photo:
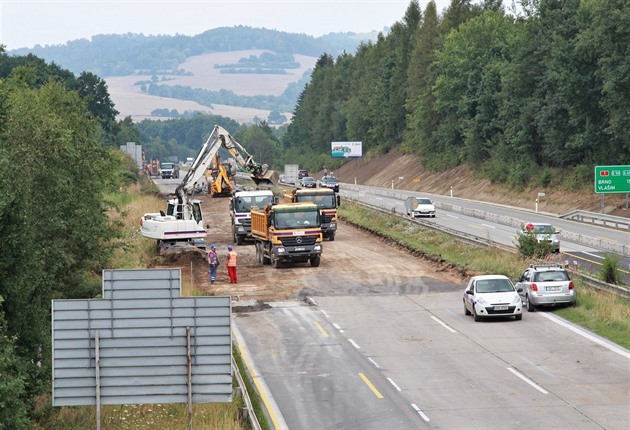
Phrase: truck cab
(169, 170)
(288, 232)
(327, 202)
(241, 204)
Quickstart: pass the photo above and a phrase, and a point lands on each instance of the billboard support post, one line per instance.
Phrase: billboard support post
(97, 365)
(189, 377)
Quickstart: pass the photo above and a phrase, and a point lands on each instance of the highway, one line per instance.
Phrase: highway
(585, 250)
(414, 361)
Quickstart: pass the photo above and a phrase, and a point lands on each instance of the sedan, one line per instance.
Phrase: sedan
(421, 207)
(492, 296)
(308, 182)
(330, 182)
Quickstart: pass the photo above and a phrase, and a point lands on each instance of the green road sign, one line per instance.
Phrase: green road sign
(612, 179)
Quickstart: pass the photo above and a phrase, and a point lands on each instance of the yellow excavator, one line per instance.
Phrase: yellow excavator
(219, 179)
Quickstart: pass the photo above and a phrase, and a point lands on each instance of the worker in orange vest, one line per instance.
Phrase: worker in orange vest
(231, 265)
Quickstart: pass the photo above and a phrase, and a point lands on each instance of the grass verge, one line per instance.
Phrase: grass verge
(604, 313)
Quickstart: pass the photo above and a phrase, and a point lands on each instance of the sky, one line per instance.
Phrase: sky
(26, 23)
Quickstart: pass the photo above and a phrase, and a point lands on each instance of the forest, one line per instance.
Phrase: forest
(515, 95)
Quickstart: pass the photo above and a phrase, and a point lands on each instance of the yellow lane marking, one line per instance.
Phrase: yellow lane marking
(270, 410)
(579, 257)
(321, 329)
(372, 387)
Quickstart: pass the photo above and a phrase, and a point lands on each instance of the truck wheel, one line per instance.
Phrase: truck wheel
(234, 239)
(315, 261)
(266, 259)
(331, 236)
(275, 262)
(238, 240)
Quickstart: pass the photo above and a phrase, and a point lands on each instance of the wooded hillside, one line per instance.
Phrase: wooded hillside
(515, 97)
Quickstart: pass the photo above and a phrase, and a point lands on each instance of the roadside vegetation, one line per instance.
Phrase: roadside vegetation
(602, 312)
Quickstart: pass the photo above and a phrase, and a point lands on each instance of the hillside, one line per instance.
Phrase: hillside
(381, 171)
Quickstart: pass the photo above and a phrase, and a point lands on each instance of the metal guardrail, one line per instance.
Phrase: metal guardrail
(610, 221)
(253, 419)
(589, 280)
(596, 242)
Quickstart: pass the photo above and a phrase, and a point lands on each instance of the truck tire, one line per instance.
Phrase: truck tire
(315, 261)
(238, 239)
(331, 236)
(275, 262)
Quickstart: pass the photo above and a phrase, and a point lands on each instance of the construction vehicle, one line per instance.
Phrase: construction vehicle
(220, 178)
(154, 167)
(327, 202)
(241, 204)
(182, 223)
(287, 232)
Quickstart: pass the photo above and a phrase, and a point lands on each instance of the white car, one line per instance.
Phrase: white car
(421, 206)
(492, 296)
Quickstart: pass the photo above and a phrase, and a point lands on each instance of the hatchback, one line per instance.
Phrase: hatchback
(492, 296)
(546, 285)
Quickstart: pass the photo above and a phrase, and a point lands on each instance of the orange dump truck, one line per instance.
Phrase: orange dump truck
(288, 232)
(326, 200)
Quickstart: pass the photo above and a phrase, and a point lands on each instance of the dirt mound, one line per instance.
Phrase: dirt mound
(404, 171)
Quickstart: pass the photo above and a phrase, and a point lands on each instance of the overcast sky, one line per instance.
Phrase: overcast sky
(26, 23)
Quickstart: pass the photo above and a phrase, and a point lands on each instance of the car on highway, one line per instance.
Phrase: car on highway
(330, 182)
(546, 285)
(302, 173)
(422, 207)
(308, 182)
(492, 296)
(543, 232)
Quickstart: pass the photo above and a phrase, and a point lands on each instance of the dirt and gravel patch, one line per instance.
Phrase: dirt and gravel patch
(356, 263)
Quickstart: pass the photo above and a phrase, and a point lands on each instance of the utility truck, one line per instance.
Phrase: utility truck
(182, 224)
(327, 202)
(241, 204)
(287, 232)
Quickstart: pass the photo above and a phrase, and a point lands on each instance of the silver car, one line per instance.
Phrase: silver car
(544, 233)
(546, 285)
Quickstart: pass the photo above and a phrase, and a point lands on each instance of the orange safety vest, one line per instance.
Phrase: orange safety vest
(231, 259)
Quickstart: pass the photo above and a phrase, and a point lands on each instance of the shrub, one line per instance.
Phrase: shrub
(528, 245)
(610, 269)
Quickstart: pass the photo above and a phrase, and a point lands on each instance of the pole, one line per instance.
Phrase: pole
(392, 184)
(451, 192)
(97, 362)
(189, 379)
(536, 205)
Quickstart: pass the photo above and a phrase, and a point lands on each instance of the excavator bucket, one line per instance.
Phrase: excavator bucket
(267, 179)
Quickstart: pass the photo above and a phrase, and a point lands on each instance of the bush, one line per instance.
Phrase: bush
(528, 246)
(610, 269)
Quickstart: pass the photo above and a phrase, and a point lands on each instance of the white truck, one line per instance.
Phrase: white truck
(241, 204)
(291, 174)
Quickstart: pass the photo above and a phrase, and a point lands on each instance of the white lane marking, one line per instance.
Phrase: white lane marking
(489, 226)
(526, 379)
(452, 216)
(325, 314)
(424, 417)
(391, 381)
(443, 324)
(374, 363)
(338, 327)
(593, 255)
(378, 198)
(354, 344)
(399, 203)
(619, 350)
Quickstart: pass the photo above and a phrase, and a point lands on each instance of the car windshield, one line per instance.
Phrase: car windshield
(167, 165)
(322, 201)
(558, 275)
(285, 220)
(494, 286)
(544, 229)
(308, 179)
(329, 179)
(424, 202)
(245, 203)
